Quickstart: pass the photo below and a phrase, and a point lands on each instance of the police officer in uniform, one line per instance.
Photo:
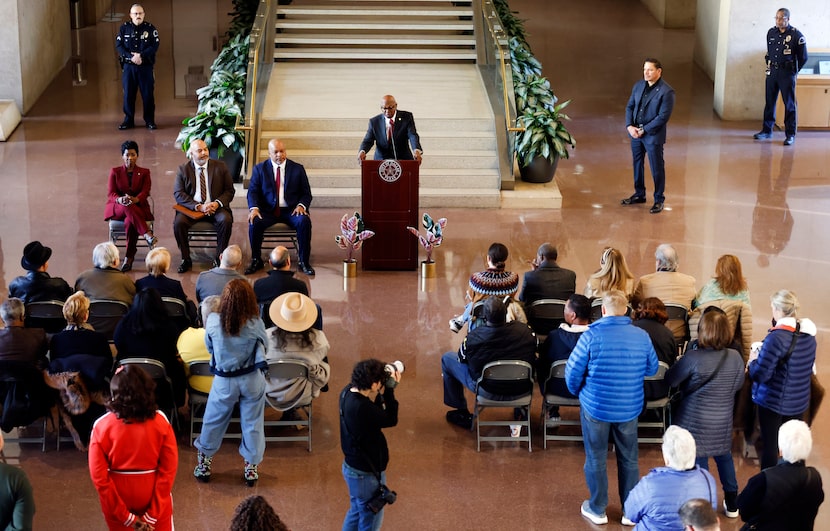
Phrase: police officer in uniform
(137, 43)
(786, 54)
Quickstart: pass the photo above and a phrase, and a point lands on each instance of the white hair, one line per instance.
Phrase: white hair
(666, 257)
(210, 305)
(12, 309)
(795, 441)
(231, 257)
(105, 255)
(679, 448)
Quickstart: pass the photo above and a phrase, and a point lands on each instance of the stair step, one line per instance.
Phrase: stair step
(427, 198)
(387, 12)
(346, 140)
(374, 25)
(348, 159)
(352, 54)
(358, 125)
(438, 178)
(374, 40)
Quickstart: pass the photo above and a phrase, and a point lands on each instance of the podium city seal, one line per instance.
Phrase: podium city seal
(390, 170)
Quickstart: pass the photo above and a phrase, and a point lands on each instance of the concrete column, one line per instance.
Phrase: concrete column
(674, 14)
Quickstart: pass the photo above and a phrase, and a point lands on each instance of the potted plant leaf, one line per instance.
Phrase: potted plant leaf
(429, 241)
(352, 235)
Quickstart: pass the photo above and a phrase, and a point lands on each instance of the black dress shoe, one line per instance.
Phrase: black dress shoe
(762, 135)
(152, 126)
(789, 140)
(256, 265)
(307, 269)
(127, 265)
(126, 125)
(185, 266)
(657, 208)
(633, 200)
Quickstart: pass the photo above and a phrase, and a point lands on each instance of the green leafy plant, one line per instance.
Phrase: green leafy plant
(434, 234)
(242, 17)
(353, 234)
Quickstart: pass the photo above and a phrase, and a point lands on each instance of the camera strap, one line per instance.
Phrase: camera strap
(356, 442)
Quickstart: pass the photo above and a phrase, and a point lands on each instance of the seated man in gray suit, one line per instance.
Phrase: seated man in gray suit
(203, 185)
(213, 281)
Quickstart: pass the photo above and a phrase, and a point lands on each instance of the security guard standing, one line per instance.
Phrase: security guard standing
(786, 54)
(137, 43)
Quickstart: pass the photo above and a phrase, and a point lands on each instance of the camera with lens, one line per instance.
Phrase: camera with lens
(383, 496)
(390, 382)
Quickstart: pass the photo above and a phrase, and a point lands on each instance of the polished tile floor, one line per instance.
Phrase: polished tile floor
(726, 193)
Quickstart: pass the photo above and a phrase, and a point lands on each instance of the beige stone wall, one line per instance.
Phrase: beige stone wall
(706, 35)
(673, 13)
(10, 87)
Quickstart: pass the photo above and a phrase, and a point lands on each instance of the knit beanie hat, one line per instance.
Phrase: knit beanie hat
(494, 282)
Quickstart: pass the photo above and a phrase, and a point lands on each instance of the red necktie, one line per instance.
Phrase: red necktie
(277, 183)
(389, 130)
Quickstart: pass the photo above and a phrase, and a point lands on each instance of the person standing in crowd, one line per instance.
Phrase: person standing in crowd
(780, 371)
(17, 503)
(127, 201)
(606, 371)
(279, 193)
(133, 456)
(786, 55)
(37, 285)
(392, 132)
(367, 405)
(787, 495)
(236, 340)
(137, 43)
(203, 185)
(646, 115)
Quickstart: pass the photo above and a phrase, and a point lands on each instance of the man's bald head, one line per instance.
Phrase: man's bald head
(280, 258)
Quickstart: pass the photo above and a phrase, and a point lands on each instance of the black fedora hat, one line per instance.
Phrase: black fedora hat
(35, 254)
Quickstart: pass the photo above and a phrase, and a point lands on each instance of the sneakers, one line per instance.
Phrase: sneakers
(762, 135)
(151, 240)
(598, 519)
(461, 418)
(456, 324)
(789, 140)
(626, 521)
(553, 422)
(730, 504)
(251, 474)
(202, 470)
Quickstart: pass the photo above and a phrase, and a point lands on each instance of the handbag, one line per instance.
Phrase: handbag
(680, 395)
(816, 397)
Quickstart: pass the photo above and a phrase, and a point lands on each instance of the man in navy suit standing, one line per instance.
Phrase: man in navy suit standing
(392, 132)
(646, 115)
(279, 193)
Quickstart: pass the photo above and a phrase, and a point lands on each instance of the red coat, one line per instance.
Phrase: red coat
(133, 466)
(119, 185)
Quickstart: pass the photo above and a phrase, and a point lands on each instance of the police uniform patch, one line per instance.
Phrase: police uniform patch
(788, 39)
(802, 40)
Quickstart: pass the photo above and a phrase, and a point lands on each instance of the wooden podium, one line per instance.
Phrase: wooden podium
(389, 205)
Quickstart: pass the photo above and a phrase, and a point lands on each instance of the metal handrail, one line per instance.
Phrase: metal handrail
(498, 35)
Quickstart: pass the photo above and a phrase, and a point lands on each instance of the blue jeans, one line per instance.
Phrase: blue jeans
(726, 470)
(362, 486)
(249, 391)
(595, 435)
(456, 377)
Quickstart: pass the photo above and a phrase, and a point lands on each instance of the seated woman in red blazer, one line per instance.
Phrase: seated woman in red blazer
(129, 188)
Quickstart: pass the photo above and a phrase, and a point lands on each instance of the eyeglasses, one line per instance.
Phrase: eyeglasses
(388, 108)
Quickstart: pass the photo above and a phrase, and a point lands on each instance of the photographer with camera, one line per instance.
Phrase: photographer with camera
(367, 405)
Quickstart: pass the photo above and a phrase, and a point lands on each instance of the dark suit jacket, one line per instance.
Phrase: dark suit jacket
(549, 281)
(262, 191)
(275, 284)
(27, 345)
(119, 185)
(219, 181)
(404, 135)
(656, 112)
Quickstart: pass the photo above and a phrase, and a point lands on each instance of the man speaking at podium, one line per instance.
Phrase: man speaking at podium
(392, 132)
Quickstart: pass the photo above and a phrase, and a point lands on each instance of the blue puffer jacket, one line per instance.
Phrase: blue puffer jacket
(784, 389)
(653, 503)
(607, 367)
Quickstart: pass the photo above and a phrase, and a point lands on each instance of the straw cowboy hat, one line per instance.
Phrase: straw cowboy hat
(293, 312)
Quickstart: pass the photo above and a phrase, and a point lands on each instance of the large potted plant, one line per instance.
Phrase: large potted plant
(352, 235)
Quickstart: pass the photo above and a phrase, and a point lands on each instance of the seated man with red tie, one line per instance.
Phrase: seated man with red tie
(279, 193)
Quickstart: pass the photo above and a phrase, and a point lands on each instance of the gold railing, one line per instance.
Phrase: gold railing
(499, 41)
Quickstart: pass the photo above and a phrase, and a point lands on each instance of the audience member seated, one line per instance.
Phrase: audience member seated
(105, 280)
(651, 316)
(495, 280)
(147, 332)
(127, 194)
(613, 274)
(19, 344)
(547, 280)
(697, 515)
(158, 263)
(79, 347)
(17, 503)
(558, 346)
(212, 281)
(654, 503)
(255, 514)
(280, 280)
(667, 285)
(787, 495)
(495, 340)
(191, 345)
(293, 337)
(37, 285)
(728, 283)
(708, 377)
